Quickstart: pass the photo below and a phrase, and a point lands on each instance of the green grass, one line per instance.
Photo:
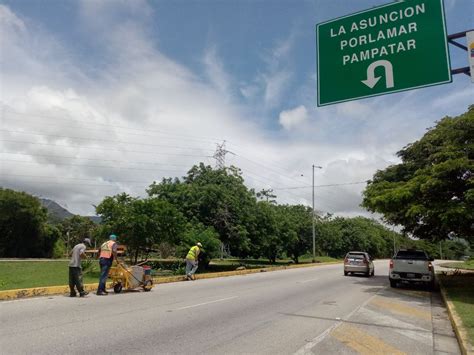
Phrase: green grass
(460, 290)
(467, 265)
(26, 274)
(265, 262)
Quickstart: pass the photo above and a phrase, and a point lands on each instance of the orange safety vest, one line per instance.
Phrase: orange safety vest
(106, 249)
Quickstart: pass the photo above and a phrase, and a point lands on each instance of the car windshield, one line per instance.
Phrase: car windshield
(411, 254)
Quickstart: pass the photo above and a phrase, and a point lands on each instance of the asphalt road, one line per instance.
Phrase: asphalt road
(304, 311)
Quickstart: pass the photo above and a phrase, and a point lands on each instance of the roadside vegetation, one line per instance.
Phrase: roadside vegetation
(430, 195)
(460, 290)
(26, 273)
(464, 265)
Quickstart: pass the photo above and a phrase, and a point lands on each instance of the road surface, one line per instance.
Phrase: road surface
(296, 311)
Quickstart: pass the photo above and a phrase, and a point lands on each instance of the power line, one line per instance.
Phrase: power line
(70, 178)
(7, 109)
(280, 168)
(328, 185)
(88, 166)
(268, 168)
(100, 140)
(75, 184)
(102, 148)
(93, 159)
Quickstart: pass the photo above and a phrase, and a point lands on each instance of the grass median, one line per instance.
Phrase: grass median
(460, 291)
(466, 265)
(31, 273)
(27, 274)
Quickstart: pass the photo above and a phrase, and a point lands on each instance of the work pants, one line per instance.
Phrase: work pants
(191, 267)
(75, 280)
(105, 265)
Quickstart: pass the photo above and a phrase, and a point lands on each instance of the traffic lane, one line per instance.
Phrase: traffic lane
(173, 294)
(149, 319)
(404, 320)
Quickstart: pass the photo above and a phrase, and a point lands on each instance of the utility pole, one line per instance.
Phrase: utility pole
(314, 231)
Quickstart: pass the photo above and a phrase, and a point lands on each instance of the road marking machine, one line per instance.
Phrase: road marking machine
(130, 277)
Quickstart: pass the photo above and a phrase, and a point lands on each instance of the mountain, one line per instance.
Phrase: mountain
(57, 213)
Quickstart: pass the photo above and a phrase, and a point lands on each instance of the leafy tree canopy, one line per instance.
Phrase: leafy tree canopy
(24, 231)
(216, 198)
(140, 223)
(74, 229)
(431, 192)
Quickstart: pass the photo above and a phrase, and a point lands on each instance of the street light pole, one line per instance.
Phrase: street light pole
(314, 232)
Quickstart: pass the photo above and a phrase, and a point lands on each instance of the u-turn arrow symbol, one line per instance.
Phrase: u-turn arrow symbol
(372, 80)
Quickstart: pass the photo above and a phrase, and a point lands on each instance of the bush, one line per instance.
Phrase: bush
(59, 249)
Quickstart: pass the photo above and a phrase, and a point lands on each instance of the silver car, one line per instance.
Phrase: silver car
(358, 262)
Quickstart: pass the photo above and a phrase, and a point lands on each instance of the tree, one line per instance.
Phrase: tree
(295, 228)
(140, 223)
(216, 198)
(339, 235)
(207, 236)
(24, 232)
(267, 195)
(431, 192)
(263, 232)
(75, 229)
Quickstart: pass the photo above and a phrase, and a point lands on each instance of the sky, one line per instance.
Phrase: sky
(99, 97)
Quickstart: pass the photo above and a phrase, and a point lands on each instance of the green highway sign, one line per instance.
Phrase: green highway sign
(395, 47)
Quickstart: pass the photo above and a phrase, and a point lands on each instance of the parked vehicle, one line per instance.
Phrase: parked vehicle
(409, 265)
(358, 262)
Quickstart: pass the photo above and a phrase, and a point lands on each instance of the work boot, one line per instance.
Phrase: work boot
(83, 294)
(72, 295)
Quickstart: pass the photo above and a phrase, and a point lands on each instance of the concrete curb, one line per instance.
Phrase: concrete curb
(461, 334)
(58, 290)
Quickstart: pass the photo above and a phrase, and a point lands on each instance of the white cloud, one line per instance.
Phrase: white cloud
(215, 71)
(274, 81)
(293, 118)
(77, 132)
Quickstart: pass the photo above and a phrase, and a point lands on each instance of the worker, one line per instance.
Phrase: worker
(107, 254)
(75, 268)
(192, 261)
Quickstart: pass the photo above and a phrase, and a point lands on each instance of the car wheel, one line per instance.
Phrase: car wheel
(367, 274)
(393, 283)
(345, 273)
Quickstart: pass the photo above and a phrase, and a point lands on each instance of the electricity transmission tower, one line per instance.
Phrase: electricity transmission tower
(219, 155)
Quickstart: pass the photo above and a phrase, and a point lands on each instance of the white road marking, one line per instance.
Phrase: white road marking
(302, 282)
(306, 349)
(411, 331)
(203, 304)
